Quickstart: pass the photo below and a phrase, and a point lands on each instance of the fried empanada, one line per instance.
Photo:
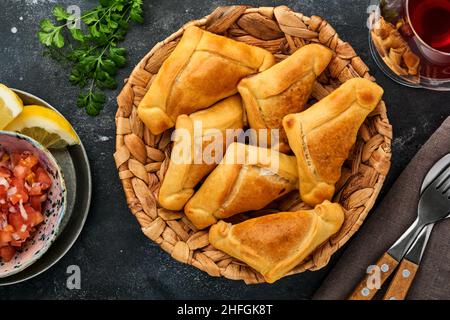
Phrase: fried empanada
(183, 174)
(203, 69)
(274, 244)
(282, 89)
(248, 178)
(323, 135)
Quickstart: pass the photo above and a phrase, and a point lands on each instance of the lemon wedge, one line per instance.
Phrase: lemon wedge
(10, 106)
(44, 125)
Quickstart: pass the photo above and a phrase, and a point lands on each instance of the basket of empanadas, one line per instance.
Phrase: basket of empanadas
(252, 143)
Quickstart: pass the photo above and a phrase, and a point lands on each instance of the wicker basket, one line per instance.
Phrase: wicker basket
(142, 158)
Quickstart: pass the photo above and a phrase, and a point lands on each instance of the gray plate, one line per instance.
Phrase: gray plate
(77, 175)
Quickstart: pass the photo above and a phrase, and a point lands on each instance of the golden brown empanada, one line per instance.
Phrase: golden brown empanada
(283, 89)
(274, 244)
(322, 136)
(184, 174)
(204, 68)
(248, 178)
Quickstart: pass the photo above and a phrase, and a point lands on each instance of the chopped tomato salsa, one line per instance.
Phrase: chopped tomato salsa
(23, 189)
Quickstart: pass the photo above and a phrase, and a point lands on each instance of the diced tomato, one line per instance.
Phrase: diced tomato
(36, 203)
(16, 220)
(22, 235)
(36, 190)
(30, 178)
(21, 199)
(17, 243)
(18, 183)
(21, 192)
(5, 172)
(15, 158)
(15, 198)
(7, 253)
(5, 236)
(4, 208)
(34, 217)
(29, 162)
(21, 172)
(43, 178)
(3, 192)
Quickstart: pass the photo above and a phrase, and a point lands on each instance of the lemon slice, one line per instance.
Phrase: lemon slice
(45, 126)
(10, 106)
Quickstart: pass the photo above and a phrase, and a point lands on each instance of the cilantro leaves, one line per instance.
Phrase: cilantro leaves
(89, 45)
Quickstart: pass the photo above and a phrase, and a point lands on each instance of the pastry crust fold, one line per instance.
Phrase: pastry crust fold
(248, 178)
(203, 69)
(323, 135)
(183, 174)
(283, 89)
(274, 244)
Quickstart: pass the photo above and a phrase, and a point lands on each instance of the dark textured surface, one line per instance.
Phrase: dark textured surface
(115, 258)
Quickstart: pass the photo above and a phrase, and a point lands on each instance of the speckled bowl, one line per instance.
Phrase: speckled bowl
(53, 209)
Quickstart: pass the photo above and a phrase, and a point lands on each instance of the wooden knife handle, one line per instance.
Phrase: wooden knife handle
(403, 278)
(376, 276)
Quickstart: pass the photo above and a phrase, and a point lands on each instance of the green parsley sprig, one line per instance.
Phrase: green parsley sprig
(89, 44)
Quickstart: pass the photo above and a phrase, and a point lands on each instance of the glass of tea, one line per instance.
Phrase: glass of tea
(410, 41)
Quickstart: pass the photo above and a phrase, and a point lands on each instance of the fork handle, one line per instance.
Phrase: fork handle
(402, 281)
(376, 276)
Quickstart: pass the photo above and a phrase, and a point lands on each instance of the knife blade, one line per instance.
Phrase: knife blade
(416, 251)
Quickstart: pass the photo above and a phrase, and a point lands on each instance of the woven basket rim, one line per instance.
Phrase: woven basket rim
(171, 230)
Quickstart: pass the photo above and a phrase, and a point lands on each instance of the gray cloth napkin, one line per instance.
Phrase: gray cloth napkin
(392, 217)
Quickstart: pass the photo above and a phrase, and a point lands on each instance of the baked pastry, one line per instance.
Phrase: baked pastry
(248, 178)
(283, 89)
(322, 136)
(204, 68)
(187, 166)
(274, 244)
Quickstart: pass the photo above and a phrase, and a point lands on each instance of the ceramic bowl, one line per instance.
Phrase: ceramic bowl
(53, 209)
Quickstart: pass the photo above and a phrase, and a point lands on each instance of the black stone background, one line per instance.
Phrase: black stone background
(116, 259)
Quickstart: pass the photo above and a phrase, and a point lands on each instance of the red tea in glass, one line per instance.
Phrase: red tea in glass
(412, 42)
(431, 21)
